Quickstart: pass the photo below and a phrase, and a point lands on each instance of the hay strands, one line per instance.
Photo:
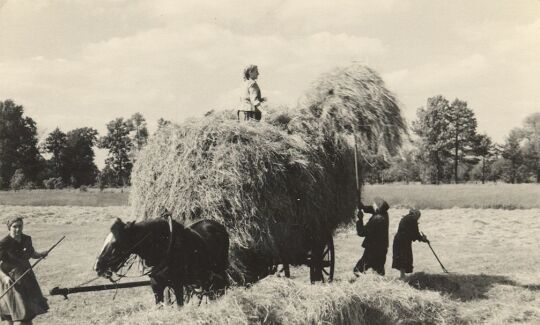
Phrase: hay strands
(434, 254)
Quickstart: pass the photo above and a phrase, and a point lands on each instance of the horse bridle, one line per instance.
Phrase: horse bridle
(130, 252)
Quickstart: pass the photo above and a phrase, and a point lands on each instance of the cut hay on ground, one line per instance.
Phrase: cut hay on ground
(279, 186)
(368, 300)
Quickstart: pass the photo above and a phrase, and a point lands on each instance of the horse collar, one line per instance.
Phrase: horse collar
(169, 247)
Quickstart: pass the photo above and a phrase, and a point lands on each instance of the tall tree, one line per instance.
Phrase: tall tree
(56, 144)
(403, 168)
(137, 124)
(461, 131)
(119, 144)
(80, 168)
(531, 149)
(511, 152)
(483, 148)
(432, 128)
(18, 144)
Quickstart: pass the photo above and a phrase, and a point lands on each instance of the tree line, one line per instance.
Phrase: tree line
(72, 158)
(444, 147)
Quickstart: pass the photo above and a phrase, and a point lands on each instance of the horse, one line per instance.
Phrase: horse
(193, 257)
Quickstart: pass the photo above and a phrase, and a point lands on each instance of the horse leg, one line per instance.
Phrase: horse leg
(287, 270)
(157, 287)
(179, 294)
(220, 283)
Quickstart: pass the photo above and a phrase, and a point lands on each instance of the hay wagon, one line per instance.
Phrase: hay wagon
(281, 187)
(298, 246)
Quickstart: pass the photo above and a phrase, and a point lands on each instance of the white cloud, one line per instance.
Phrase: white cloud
(435, 76)
(174, 73)
(77, 63)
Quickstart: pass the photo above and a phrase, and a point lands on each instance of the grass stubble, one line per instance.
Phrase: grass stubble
(492, 254)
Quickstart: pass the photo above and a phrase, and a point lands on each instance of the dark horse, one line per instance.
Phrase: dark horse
(195, 257)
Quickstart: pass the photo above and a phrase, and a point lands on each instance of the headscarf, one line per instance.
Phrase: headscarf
(12, 220)
(247, 70)
(382, 206)
(414, 212)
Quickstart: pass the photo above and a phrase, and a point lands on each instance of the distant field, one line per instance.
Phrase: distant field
(492, 196)
(66, 197)
(493, 256)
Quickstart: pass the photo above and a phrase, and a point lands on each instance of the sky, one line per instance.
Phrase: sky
(77, 63)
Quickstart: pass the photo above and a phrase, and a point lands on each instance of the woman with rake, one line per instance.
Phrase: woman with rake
(24, 301)
(402, 248)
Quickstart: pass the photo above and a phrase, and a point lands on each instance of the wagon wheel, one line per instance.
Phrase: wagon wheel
(321, 266)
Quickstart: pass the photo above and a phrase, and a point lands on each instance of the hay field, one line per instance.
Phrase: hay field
(447, 196)
(65, 197)
(494, 254)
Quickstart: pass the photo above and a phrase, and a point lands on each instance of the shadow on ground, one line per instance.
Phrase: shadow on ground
(464, 287)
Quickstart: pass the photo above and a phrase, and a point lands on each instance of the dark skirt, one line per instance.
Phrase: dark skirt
(255, 114)
(402, 258)
(372, 259)
(24, 301)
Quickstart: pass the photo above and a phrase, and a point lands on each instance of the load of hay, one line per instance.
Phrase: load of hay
(278, 186)
(370, 299)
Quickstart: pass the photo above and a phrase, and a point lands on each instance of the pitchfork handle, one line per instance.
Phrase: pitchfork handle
(31, 267)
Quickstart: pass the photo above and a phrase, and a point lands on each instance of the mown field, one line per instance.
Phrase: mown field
(66, 197)
(492, 195)
(492, 254)
(496, 196)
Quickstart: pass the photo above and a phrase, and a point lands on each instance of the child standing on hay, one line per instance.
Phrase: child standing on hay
(375, 232)
(251, 97)
(408, 232)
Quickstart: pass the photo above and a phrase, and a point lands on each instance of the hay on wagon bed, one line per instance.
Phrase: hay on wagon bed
(279, 185)
(354, 99)
(252, 177)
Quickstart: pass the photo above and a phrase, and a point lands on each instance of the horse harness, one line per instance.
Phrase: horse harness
(165, 259)
(161, 265)
(163, 262)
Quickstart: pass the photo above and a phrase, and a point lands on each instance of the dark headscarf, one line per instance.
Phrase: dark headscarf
(12, 220)
(382, 206)
(415, 212)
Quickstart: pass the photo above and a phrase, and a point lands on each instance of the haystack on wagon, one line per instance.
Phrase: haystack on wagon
(282, 186)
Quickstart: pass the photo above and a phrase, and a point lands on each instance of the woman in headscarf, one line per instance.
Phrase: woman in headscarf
(251, 94)
(375, 232)
(24, 301)
(408, 232)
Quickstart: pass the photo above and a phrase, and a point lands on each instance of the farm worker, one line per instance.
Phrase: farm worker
(375, 232)
(251, 93)
(24, 301)
(402, 248)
